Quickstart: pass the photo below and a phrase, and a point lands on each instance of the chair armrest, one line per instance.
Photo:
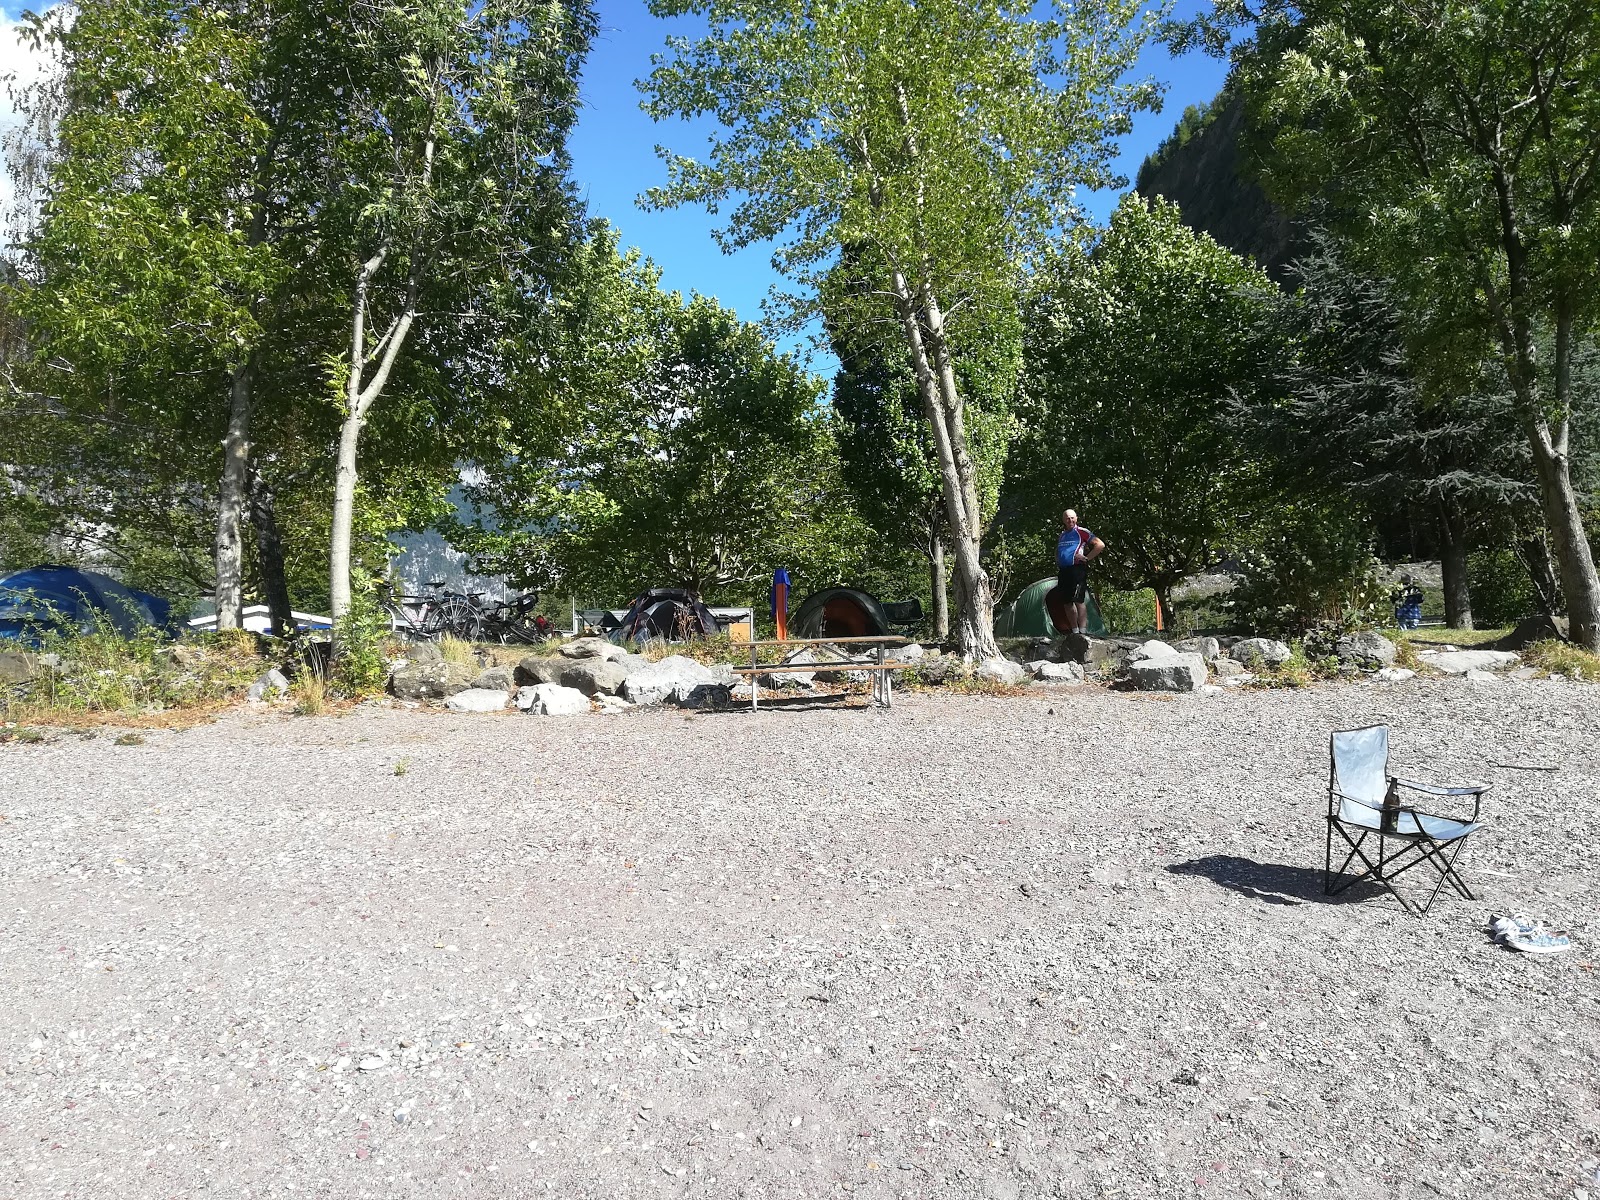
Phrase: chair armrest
(1433, 789)
(1475, 790)
(1378, 807)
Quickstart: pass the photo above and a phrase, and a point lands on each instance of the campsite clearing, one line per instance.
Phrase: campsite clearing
(1058, 945)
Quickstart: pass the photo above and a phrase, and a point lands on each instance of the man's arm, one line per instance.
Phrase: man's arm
(1095, 550)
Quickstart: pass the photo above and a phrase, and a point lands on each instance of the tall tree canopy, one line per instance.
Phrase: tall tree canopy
(1135, 347)
(1459, 143)
(945, 137)
(259, 218)
(689, 452)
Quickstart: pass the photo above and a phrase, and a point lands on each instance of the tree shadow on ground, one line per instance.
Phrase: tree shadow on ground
(1274, 883)
(824, 702)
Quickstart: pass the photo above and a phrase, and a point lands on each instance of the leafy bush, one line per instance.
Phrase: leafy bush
(1308, 571)
(1502, 593)
(103, 672)
(1127, 612)
(360, 668)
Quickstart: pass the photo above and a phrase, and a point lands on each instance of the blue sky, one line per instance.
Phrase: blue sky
(614, 157)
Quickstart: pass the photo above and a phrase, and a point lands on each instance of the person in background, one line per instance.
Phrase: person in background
(1076, 548)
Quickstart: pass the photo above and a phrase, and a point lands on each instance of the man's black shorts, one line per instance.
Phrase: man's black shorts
(1074, 581)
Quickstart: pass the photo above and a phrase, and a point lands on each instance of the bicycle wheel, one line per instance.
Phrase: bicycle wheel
(458, 616)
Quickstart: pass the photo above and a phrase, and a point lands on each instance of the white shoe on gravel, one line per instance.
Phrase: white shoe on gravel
(1538, 942)
(1517, 923)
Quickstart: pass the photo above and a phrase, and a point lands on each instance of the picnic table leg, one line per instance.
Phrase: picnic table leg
(883, 678)
(754, 686)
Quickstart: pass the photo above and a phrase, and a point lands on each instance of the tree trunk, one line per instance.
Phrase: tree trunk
(1453, 564)
(344, 507)
(1163, 591)
(942, 405)
(1534, 551)
(269, 549)
(231, 499)
(937, 585)
(1579, 582)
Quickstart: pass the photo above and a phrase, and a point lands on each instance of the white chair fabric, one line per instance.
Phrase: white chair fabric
(1361, 773)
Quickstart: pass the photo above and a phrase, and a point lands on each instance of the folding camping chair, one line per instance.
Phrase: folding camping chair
(1364, 801)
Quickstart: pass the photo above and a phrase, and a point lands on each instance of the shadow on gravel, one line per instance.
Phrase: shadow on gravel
(1274, 883)
(789, 704)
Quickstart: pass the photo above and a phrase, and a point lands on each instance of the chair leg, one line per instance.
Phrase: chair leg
(1446, 866)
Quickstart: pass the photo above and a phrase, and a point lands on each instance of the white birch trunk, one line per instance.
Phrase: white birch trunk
(231, 500)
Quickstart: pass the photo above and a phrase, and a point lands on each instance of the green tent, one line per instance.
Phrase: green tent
(1028, 615)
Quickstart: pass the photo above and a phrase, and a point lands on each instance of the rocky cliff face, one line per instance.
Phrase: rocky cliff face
(1203, 177)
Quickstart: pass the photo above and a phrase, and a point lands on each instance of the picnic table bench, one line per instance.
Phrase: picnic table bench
(882, 670)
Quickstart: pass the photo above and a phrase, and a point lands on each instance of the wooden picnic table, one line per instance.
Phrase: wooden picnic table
(882, 670)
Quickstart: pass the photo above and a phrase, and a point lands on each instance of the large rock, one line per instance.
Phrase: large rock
(1534, 629)
(495, 678)
(478, 700)
(591, 648)
(431, 680)
(536, 669)
(18, 668)
(1169, 673)
(792, 679)
(424, 652)
(1001, 670)
(1153, 649)
(591, 675)
(674, 677)
(1367, 648)
(552, 700)
(1206, 647)
(911, 652)
(947, 668)
(1459, 662)
(1046, 671)
(1258, 651)
(631, 662)
(274, 683)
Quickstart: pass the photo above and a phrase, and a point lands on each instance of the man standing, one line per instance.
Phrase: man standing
(1076, 548)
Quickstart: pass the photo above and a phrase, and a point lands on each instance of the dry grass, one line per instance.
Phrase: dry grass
(1465, 638)
(310, 694)
(1563, 658)
(455, 650)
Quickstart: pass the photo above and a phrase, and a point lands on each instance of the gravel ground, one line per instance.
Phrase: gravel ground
(1065, 945)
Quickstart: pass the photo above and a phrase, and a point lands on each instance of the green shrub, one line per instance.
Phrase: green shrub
(100, 671)
(359, 667)
(1502, 593)
(1308, 571)
(1128, 612)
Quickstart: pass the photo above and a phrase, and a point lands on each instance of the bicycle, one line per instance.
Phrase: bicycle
(514, 621)
(428, 618)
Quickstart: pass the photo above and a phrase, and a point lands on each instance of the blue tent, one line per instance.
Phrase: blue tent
(65, 598)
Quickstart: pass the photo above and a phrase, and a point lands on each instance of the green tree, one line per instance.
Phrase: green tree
(1134, 348)
(691, 453)
(1352, 415)
(947, 138)
(243, 200)
(1459, 142)
(886, 449)
(458, 199)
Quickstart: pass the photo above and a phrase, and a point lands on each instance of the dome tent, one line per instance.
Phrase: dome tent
(672, 614)
(839, 612)
(1040, 611)
(62, 598)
